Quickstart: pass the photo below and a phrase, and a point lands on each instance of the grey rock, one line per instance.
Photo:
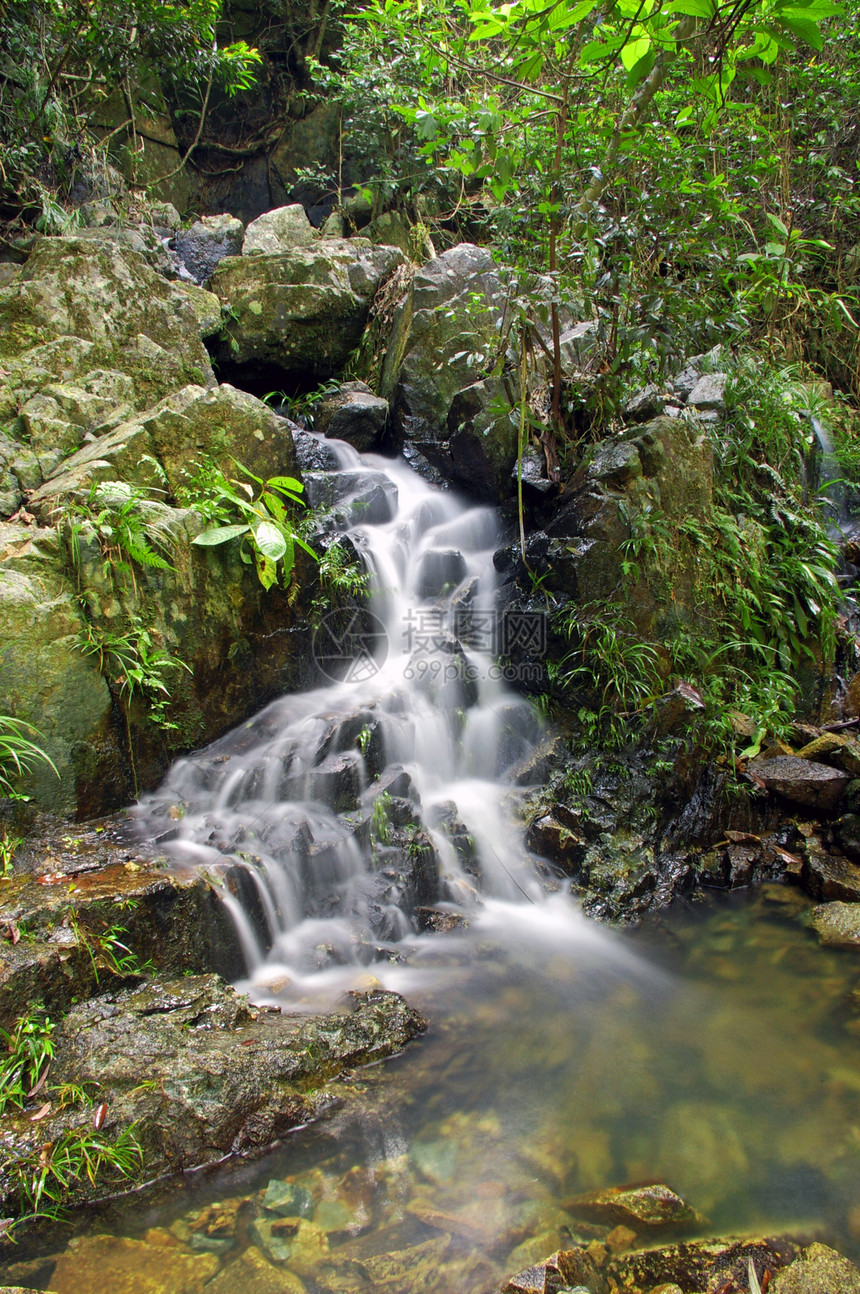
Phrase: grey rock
(802, 781)
(708, 395)
(206, 242)
(279, 230)
(354, 414)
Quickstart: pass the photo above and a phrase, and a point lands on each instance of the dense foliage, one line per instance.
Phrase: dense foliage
(68, 66)
(685, 171)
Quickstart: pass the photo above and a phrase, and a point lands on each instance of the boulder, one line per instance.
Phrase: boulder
(191, 1032)
(99, 305)
(708, 394)
(442, 335)
(279, 230)
(300, 312)
(816, 786)
(837, 924)
(45, 679)
(166, 444)
(200, 247)
(354, 414)
(818, 1270)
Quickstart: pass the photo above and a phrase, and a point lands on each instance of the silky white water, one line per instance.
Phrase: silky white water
(298, 797)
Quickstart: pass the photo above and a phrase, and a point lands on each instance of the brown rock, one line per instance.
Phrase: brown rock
(801, 780)
(822, 748)
(829, 876)
(253, 1274)
(640, 1207)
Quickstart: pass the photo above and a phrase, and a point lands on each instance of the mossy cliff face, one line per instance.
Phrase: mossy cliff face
(104, 378)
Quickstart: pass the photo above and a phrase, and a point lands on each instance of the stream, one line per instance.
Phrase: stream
(714, 1049)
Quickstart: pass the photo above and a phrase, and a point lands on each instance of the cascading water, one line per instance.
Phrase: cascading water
(415, 726)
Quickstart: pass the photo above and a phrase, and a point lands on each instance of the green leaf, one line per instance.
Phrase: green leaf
(803, 27)
(267, 571)
(286, 483)
(219, 535)
(635, 50)
(693, 8)
(777, 223)
(270, 541)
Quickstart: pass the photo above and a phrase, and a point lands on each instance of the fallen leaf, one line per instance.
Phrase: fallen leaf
(99, 1114)
(41, 1082)
(40, 1114)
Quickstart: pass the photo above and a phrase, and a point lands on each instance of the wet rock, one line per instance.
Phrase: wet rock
(837, 924)
(700, 1265)
(830, 876)
(818, 1270)
(288, 1200)
(847, 830)
(312, 454)
(354, 414)
(567, 1269)
(279, 230)
(357, 497)
(436, 1160)
(481, 451)
(200, 247)
(640, 1207)
(441, 570)
(616, 465)
(201, 1075)
(815, 786)
(131, 1267)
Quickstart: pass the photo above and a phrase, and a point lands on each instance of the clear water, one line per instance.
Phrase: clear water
(715, 1050)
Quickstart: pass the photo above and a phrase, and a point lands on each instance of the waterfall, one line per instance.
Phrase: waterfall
(336, 816)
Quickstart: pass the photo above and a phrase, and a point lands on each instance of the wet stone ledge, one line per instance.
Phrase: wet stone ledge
(158, 1039)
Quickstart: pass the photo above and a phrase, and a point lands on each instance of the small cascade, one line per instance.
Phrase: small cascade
(336, 816)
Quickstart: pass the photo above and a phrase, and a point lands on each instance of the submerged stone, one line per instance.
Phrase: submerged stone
(651, 1206)
(125, 1266)
(818, 1270)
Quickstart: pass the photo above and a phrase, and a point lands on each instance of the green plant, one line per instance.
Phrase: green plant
(269, 536)
(19, 753)
(133, 664)
(46, 1176)
(127, 524)
(69, 1094)
(380, 820)
(609, 664)
(8, 845)
(342, 579)
(24, 1064)
(105, 949)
